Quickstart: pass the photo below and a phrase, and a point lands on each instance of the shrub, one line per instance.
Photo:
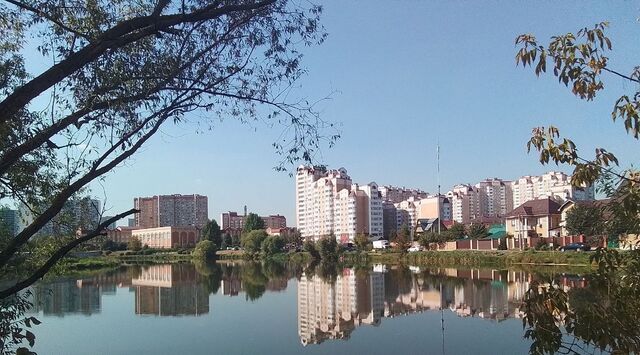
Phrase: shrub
(272, 245)
(252, 241)
(134, 244)
(205, 249)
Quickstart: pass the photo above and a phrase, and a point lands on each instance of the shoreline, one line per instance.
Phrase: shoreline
(476, 259)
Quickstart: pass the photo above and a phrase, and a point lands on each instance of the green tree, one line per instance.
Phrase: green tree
(205, 249)
(310, 247)
(272, 245)
(212, 232)
(478, 231)
(227, 240)
(362, 242)
(120, 74)
(328, 248)
(580, 61)
(430, 240)
(585, 220)
(252, 222)
(457, 231)
(252, 242)
(134, 244)
(293, 238)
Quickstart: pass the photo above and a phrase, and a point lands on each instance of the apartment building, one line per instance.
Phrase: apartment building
(464, 203)
(329, 203)
(77, 215)
(171, 211)
(552, 184)
(395, 194)
(234, 220)
(434, 207)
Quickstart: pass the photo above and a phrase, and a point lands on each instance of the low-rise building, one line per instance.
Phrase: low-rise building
(534, 219)
(167, 237)
(120, 234)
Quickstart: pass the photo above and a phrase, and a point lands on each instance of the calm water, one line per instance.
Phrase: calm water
(274, 309)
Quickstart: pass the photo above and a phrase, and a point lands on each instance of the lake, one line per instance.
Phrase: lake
(248, 308)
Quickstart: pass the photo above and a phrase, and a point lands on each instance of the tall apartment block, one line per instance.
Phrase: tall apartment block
(329, 203)
(552, 184)
(80, 214)
(171, 211)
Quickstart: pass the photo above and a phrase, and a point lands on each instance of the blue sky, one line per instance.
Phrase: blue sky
(405, 74)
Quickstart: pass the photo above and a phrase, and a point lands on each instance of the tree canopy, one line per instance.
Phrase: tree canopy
(253, 222)
(580, 61)
(212, 232)
(122, 70)
(587, 220)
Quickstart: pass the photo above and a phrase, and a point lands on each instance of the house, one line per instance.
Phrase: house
(429, 225)
(534, 219)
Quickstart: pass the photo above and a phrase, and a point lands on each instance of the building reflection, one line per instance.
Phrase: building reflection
(170, 290)
(329, 310)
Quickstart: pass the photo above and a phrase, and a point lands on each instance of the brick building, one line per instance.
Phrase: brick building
(171, 211)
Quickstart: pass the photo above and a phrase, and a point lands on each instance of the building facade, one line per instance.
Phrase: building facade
(10, 221)
(395, 194)
(77, 216)
(329, 203)
(233, 220)
(538, 218)
(167, 237)
(552, 184)
(171, 211)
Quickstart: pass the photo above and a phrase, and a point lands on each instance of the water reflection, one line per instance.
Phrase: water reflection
(333, 308)
(170, 290)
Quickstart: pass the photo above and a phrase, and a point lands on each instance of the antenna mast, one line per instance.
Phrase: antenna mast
(438, 171)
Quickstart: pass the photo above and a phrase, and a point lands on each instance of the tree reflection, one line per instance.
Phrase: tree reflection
(603, 316)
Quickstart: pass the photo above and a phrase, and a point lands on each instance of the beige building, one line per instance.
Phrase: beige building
(167, 237)
(434, 207)
(464, 203)
(535, 218)
(171, 210)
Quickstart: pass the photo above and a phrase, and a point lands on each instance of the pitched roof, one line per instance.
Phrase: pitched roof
(540, 207)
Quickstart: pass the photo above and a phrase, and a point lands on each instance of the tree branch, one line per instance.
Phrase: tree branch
(48, 17)
(60, 253)
(120, 35)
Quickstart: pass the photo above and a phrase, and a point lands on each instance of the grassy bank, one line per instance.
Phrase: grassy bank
(473, 258)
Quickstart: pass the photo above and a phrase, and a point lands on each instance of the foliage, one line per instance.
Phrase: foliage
(457, 231)
(210, 275)
(212, 232)
(587, 220)
(603, 316)
(113, 246)
(402, 242)
(13, 324)
(580, 61)
(252, 242)
(328, 248)
(227, 240)
(134, 244)
(478, 231)
(235, 240)
(272, 245)
(293, 238)
(362, 242)
(121, 71)
(252, 222)
(310, 247)
(205, 249)
(430, 240)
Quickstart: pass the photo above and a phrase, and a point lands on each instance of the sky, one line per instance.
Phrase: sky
(402, 76)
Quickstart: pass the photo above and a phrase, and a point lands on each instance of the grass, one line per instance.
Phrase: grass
(474, 258)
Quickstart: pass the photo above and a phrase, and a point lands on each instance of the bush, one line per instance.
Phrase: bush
(134, 244)
(272, 245)
(205, 249)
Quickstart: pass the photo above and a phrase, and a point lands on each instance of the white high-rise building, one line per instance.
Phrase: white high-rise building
(464, 203)
(328, 203)
(552, 184)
